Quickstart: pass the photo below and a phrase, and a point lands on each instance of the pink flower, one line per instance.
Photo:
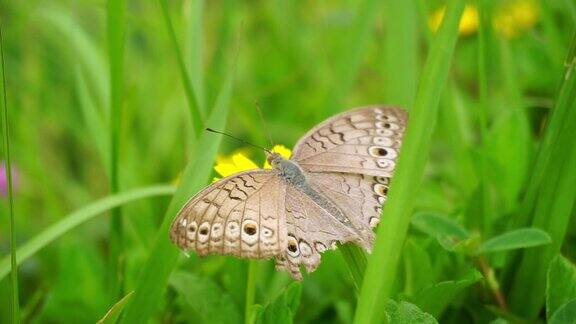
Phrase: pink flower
(4, 179)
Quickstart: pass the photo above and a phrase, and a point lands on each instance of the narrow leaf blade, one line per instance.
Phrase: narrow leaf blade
(517, 239)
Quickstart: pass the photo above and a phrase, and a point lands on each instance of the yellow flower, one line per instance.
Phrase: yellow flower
(516, 17)
(468, 21)
(238, 162)
(510, 19)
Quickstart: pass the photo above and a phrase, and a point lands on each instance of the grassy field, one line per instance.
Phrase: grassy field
(104, 105)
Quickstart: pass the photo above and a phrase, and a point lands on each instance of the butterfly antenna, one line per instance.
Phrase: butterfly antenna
(258, 108)
(238, 139)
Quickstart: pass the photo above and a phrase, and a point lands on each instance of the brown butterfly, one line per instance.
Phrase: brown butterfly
(331, 190)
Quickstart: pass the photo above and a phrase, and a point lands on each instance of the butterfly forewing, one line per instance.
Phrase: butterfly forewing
(240, 215)
(364, 141)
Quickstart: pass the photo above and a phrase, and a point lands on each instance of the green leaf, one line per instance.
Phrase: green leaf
(406, 313)
(383, 263)
(78, 217)
(205, 298)
(439, 226)
(434, 299)
(283, 308)
(517, 239)
(561, 284)
(114, 312)
(566, 314)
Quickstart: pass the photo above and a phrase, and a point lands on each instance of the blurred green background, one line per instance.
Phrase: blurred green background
(302, 61)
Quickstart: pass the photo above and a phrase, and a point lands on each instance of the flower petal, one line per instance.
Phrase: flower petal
(283, 151)
(225, 169)
(243, 163)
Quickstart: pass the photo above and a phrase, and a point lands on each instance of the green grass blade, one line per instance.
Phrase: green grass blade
(164, 255)
(483, 22)
(196, 41)
(382, 265)
(347, 69)
(400, 52)
(79, 217)
(250, 290)
(351, 56)
(15, 309)
(115, 28)
(114, 312)
(400, 73)
(551, 195)
(356, 260)
(193, 105)
(95, 124)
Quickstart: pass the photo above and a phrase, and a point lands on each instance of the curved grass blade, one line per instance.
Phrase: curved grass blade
(382, 264)
(79, 217)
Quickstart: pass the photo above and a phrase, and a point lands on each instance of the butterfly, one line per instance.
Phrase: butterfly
(330, 191)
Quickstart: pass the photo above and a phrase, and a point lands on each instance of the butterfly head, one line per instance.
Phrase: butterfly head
(275, 159)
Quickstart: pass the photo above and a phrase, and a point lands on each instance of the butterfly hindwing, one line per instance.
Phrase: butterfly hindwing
(311, 231)
(359, 196)
(241, 215)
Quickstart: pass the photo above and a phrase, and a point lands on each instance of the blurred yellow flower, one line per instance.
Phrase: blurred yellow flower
(510, 19)
(238, 162)
(468, 21)
(515, 17)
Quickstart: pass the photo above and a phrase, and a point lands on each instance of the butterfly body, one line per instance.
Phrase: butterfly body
(295, 176)
(330, 191)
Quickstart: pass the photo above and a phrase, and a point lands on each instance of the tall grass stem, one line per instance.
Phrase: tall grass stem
(15, 304)
(115, 29)
(382, 264)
